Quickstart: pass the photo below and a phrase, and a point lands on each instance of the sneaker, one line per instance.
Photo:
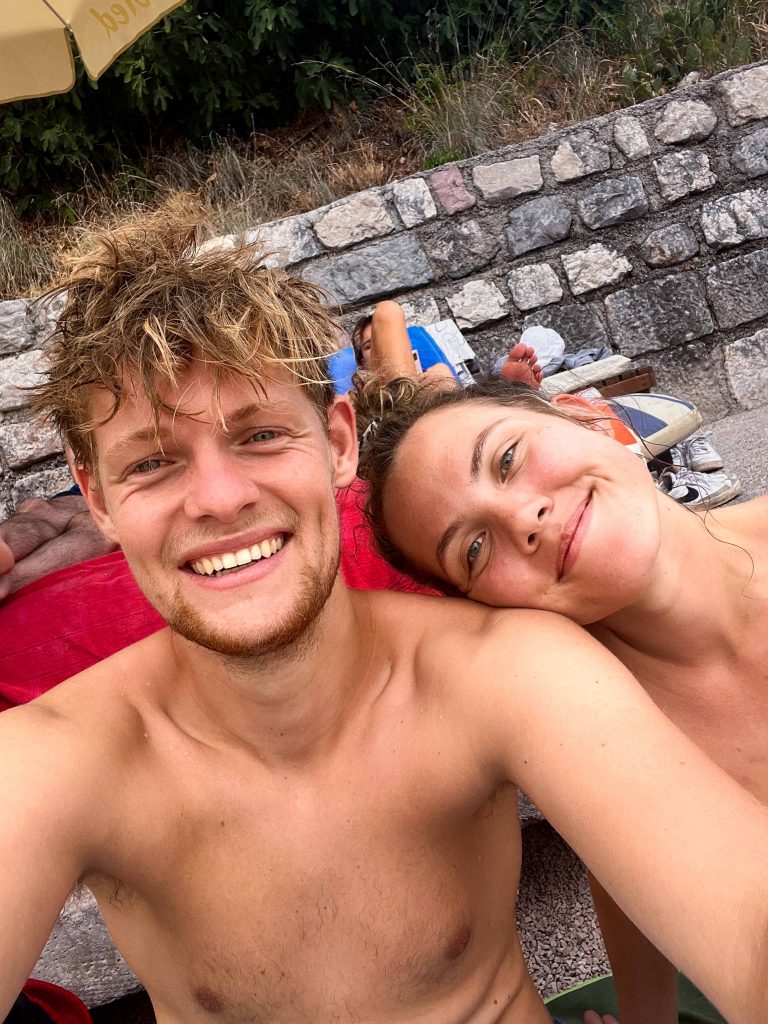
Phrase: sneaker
(696, 453)
(699, 490)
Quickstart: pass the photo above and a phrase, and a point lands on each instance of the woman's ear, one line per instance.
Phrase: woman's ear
(581, 409)
(342, 433)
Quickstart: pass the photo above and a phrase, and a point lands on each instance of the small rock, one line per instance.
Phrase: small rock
(414, 201)
(538, 223)
(499, 182)
(16, 326)
(534, 286)
(685, 121)
(594, 267)
(612, 202)
(19, 371)
(679, 174)
(451, 190)
(630, 137)
(734, 219)
(477, 302)
(286, 241)
(750, 155)
(420, 310)
(746, 367)
(42, 483)
(745, 95)
(357, 219)
(459, 249)
(25, 443)
(582, 153)
(669, 245)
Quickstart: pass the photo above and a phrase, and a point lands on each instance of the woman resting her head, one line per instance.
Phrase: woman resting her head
(495, 493)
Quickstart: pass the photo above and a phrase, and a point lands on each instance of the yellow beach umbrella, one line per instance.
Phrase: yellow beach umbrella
(35, 53)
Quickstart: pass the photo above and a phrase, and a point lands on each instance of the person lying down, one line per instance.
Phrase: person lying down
(498, 495)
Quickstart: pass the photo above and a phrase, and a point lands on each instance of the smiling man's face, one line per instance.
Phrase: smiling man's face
(228, 519)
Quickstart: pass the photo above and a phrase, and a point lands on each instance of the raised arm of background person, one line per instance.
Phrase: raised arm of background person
(680, 846)
(45, 535)
(645, 981)
(48, 793)
(391, 352)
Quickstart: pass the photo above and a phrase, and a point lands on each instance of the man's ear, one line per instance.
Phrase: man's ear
(342, 433)
(87, 480)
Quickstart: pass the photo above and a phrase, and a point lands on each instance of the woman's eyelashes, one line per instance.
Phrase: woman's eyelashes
(505, 462)
(474, 550)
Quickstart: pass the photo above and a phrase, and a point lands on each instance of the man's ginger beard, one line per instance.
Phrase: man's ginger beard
(315, 586)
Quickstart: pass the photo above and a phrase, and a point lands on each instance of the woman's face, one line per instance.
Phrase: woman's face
(524, 509)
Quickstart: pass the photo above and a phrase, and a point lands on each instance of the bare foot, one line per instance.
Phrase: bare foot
(521, 365)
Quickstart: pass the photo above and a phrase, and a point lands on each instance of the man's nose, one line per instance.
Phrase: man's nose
(219, 487)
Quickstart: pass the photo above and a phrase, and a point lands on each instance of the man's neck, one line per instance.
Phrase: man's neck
(285, 706)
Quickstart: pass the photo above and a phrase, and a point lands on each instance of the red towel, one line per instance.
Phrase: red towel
(70, 619)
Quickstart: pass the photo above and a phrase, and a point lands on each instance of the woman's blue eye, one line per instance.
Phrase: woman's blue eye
(506, 461)
(474, 549)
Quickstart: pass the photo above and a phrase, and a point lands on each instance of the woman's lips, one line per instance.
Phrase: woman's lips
(570, 539)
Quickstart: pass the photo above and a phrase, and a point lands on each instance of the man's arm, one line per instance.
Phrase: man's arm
(44, 819)
(680, 846)
(45, 535)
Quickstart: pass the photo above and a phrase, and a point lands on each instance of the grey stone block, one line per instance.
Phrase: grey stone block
(630, 137)
(25, 443)
(459, 249)
(582, 153)
(42, 484)
(420, 310)
(45, 313)
(685, 121)
(17, 372)
(694, 371)
(508, 179)
(746, 367)
(476, 303)
(745, 95)
(16, 326)
(538, 223)
(750, 155)
(396, 264)
(736, 289)
(679, 174)
(286, 241)
(669, 245)
(356, 219)
(594, 267)
(579, 325)
(534, 286)
(613, 202)
(414, 201)
(659, 314)
(736, 218)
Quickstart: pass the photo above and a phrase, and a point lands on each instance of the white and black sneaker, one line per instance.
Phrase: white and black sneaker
(699, 490)
(696, 453)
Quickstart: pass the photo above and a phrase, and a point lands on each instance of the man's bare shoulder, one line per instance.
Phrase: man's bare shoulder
(98, 709)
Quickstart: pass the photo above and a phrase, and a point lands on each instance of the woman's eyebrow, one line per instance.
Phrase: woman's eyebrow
(479, 447)
(442, 545)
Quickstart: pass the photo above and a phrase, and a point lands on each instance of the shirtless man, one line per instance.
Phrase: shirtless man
(297, 802)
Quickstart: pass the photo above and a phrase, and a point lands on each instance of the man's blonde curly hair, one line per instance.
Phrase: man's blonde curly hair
(145, 299)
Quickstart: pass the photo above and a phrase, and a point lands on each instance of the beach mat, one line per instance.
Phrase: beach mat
(599, 995)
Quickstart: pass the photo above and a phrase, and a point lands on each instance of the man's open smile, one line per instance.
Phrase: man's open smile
(223, 562)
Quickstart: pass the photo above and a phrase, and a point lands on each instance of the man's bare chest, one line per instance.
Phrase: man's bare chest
(376, 887)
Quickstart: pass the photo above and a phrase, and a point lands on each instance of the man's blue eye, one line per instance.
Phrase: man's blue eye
(147, 466)
(506, 461)
(263, 435)
(474, 549)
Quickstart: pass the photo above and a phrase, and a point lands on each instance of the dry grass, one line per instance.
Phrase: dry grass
(437, 113)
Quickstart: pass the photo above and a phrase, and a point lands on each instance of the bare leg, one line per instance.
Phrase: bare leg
(522, 365)
(391, 353)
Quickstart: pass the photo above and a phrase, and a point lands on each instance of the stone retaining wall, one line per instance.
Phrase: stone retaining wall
(645, 229)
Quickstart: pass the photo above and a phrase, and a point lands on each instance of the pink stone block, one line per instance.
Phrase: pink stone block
(450, 189)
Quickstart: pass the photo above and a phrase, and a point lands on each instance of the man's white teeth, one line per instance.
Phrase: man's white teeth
(233, 559)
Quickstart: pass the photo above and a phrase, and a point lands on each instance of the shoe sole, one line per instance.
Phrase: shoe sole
(710, 501)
